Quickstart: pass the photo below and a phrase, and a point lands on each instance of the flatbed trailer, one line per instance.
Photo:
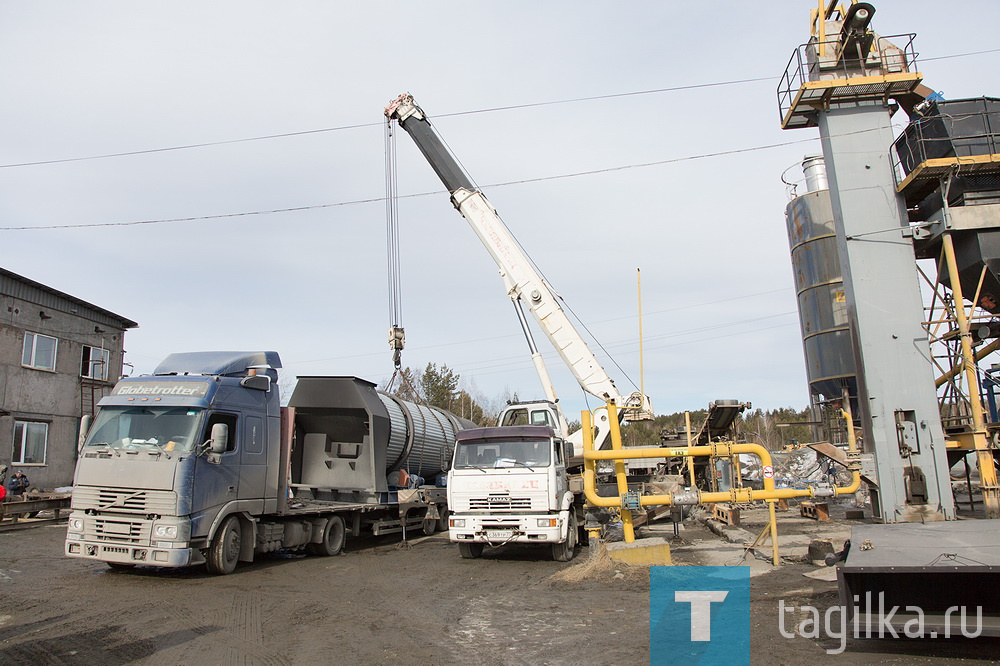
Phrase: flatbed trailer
(199, 463)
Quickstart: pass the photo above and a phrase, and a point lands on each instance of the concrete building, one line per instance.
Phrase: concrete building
(59, 356)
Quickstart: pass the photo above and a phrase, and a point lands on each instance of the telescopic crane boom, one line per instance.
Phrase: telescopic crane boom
(524, 283)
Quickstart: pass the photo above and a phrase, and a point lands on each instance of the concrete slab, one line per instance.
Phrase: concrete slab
(652, 551)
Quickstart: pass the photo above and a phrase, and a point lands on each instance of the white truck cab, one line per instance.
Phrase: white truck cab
(509, 484)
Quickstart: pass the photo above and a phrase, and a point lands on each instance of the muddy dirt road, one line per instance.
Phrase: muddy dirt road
(379, 603)
(375, 604)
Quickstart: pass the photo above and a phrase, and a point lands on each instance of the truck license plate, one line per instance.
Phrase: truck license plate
(117, 528)
(499, 535)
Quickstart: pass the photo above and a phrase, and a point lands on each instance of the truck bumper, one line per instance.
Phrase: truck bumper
(130, 539)
(130, 554)
(500, 530)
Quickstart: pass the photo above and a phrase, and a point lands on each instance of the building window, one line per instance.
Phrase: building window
(95, 363)
(30, 438)
(39, 351)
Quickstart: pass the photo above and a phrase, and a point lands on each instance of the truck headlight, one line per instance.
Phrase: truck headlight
(547, 522)
(166, 531)
(76, 524)
(457, 522)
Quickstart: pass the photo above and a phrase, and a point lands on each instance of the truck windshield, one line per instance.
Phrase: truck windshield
(501, 453)
(516, 417)
(165, 428)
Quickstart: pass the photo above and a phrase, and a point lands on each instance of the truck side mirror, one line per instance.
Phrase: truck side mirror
(220, 438)
(256, 382)
(84, 429)
(567, 452)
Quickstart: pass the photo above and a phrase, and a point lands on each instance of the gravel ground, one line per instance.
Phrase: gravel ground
(380, 602)
(377, 603)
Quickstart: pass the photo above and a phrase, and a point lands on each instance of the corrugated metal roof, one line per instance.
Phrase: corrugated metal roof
(20, 287)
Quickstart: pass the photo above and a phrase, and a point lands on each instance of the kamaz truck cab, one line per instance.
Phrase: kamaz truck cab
(510, 485)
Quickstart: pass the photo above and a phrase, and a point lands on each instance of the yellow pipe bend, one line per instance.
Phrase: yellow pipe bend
(718, 449)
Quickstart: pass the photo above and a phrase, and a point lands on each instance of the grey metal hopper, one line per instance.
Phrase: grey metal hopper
(950, 151)
(348, 436)
(933, 567)
(974, 251)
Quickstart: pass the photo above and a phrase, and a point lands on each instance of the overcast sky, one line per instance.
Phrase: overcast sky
(84, 79)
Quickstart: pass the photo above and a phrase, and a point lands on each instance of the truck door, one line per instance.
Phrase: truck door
(216, 484)
(560, 467)
(253, 459)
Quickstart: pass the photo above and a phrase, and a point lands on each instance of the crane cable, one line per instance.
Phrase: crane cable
(396, 335)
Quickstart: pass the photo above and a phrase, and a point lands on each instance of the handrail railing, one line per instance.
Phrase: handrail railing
(812, 62)
(945, 135)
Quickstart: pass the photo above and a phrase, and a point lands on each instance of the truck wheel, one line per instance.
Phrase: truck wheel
(443, 520)
(563, 552)
(470, 551)
(225, 550)
(334, 536)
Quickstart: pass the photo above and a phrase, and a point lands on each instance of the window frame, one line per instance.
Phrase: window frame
(34, 349)
(231, 419)
(20, 462)
(87, 363)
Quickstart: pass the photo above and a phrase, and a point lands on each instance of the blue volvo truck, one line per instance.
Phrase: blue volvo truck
(199, 463)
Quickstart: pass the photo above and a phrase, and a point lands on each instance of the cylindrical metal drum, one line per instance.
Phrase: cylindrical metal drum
(814, 169)
(421, 439)
(348, 435)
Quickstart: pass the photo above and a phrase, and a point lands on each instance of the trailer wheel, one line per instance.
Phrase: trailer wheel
(443, 520)
(334, 536)
(429, 526)
(470, 551)
(563, 552)
(225, 550)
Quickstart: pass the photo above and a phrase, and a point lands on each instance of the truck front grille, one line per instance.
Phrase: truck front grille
(118, 530)
(500, 504)
(125, 500)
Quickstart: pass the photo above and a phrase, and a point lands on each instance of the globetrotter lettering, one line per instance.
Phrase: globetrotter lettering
(180, 390)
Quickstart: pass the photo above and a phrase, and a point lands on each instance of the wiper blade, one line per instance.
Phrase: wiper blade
(107, 444)
(511, 461)
(154, 442)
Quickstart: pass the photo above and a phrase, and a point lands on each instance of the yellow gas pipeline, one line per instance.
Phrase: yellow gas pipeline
(694, 495)
(713, 450)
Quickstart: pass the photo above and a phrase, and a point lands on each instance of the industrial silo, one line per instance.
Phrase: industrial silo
(819, 287)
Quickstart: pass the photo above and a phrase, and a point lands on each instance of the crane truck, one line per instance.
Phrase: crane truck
(199, 463)
(512, 483)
